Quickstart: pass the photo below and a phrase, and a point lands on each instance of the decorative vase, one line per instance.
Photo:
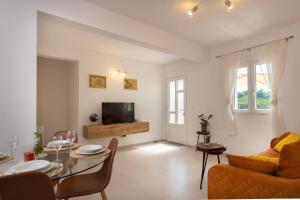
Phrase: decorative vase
(207, 139)
(38, 140)
(94, 117)
(204, 128)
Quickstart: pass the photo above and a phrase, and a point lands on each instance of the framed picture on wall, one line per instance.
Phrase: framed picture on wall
(96, 81)
(130, 84)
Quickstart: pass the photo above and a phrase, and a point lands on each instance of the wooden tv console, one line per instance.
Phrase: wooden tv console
(101, 130)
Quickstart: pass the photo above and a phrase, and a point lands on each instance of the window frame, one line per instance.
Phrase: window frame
(249, 91)
(262, 111)
(251, 67)
(169, 97)
(177, 91)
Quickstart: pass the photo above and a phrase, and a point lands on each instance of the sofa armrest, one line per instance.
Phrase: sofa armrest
(273, 142)
(227, 182)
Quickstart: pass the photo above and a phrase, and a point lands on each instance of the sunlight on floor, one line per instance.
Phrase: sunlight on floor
(157, 148)
(156, 171)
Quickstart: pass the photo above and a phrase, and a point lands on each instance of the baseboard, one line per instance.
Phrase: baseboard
(151, 142)
(138, 144)
(186, 145)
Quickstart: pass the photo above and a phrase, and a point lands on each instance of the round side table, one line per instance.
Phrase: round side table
(213, 149)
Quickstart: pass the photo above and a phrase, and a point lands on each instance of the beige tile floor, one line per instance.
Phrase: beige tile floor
(157, 171)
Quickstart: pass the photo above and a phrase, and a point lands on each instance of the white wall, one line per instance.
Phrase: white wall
(57, 95)
(147, 99)
(289, 92)
(17, 71)
(203, 91)
(18, 22)
(205, 94)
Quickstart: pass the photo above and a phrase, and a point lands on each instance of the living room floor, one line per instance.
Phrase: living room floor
(157, 171)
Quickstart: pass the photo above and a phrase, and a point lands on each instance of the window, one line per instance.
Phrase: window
(253, 88)
(180, 111)
(262, 88)
(176, 105)
(172, 102)
(242, 91)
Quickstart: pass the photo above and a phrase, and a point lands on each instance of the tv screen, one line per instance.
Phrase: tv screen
(115, 112)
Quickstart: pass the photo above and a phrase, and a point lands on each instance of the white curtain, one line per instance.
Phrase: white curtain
(232, 63)
(274, 55)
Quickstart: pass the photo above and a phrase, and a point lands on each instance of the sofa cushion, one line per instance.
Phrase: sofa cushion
(252, 164)
(266, 158)
(278, 139)
(289, 162)
(292, 137)
(270, 153)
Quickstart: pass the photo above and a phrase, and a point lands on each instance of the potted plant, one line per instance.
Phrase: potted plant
(38, 141)
(204, 121)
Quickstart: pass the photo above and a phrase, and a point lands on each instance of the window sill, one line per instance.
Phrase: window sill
(257, 112)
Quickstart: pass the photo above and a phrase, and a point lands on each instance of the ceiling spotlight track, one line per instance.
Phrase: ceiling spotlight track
(192, 11)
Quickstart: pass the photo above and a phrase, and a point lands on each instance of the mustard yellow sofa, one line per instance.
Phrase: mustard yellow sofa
(228, 182)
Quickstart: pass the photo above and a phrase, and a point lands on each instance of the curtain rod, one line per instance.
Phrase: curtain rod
(249, 48)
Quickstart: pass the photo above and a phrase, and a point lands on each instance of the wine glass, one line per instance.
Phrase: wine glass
(58, 141)
(71, 137)
(13, 142)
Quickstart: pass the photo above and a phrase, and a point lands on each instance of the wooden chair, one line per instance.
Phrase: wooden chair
(86, 184)
(64, 135)
(30, 185)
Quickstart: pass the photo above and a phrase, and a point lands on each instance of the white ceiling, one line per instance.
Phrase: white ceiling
(212, 25)
(61, 31)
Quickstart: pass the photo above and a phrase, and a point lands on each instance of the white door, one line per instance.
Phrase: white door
(176, 126)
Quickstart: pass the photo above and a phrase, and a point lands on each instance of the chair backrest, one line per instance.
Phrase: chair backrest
(30, 185)
(106, 170)
(64, 135)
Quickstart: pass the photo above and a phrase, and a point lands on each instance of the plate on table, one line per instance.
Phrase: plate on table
(34, 165)
(2, 155)
(90, 149)
(54, 144)
(48, 168)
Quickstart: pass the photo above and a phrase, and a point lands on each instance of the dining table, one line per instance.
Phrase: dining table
(69, 165)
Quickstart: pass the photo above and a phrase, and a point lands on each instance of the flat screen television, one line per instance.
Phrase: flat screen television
(117, 112)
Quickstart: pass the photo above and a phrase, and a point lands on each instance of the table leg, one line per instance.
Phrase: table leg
(218, 158)
(197, 142)
(54, 183)
(204, 161)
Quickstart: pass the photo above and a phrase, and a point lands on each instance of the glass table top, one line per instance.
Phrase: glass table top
(71, 166)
